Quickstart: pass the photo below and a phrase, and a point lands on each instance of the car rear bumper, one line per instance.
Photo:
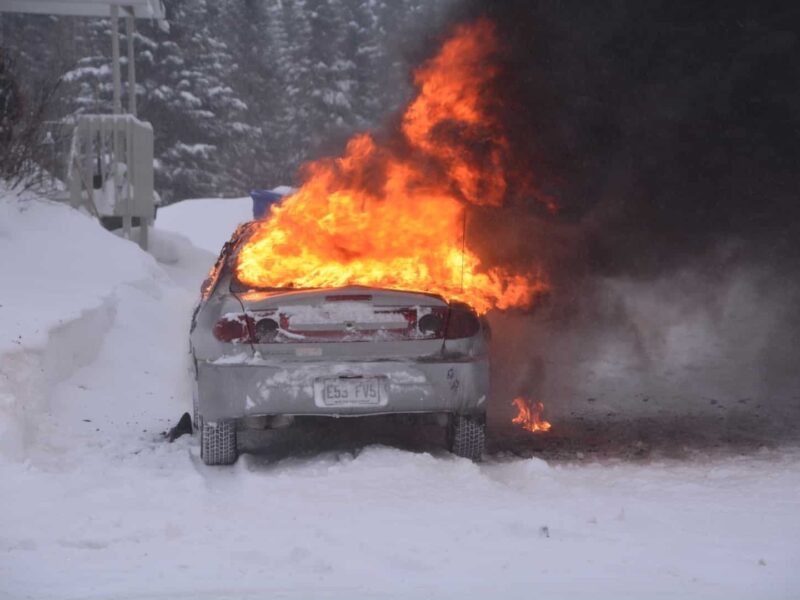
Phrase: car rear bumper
(230, 391)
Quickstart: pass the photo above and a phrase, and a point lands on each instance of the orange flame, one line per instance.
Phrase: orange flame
(530, 415)
(394, 215)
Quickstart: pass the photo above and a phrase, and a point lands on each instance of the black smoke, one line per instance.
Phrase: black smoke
(662, 127)
(669, 135)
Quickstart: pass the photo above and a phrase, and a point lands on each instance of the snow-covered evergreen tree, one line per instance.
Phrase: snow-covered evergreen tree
(240, 92)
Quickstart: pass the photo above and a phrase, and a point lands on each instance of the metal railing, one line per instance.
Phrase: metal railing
(110, 170)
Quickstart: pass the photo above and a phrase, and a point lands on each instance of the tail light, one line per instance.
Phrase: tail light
(462, 322)
(456, 322)
(233, 328)
(246, 329)
(265, 330)
(433, 323)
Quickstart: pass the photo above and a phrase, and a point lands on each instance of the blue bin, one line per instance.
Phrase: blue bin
(262, 200)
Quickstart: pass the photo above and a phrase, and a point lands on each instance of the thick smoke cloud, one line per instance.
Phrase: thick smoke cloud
(661, 128)
(668, 134)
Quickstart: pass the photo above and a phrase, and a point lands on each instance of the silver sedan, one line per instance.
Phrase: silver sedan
(265, 356)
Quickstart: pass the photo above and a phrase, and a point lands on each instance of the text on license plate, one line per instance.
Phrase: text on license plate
(355, 391)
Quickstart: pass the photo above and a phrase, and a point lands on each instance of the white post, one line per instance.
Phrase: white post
(130, 29)
(115, 58)
(142, 177)
(126, 216)
(129, 33)
(75, 165)
(144, 235)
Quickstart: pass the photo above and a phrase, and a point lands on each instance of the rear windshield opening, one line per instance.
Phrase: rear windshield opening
(237, 287)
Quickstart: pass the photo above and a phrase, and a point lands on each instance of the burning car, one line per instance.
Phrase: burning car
(263, 356)
(359, 293)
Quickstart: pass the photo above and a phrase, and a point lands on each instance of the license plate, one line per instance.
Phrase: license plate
(350, 391)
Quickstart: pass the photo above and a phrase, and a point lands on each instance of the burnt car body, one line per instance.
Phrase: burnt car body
(265, 356)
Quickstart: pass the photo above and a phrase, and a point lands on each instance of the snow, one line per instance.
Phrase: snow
(192, 101)
(82, 72)
(207, 222)
(94, 504)
(44, 244)
(201, 150)
(284, 190)
(357, 313)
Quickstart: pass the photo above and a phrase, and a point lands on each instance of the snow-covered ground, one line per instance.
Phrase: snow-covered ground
(207, 222)
(94, 504)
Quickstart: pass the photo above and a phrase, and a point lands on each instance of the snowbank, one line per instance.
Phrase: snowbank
(65, 281)
(57, 302)
(206, 222)
(57, 263)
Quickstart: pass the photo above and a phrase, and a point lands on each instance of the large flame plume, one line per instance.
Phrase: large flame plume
(395, 214)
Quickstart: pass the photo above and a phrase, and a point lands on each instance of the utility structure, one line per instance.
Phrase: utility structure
(110, 162)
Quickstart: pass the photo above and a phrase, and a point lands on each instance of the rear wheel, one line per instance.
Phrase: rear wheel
(467, 436)
(218, 442)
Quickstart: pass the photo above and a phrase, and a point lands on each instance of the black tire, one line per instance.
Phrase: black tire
(218, 442)
(467, 436)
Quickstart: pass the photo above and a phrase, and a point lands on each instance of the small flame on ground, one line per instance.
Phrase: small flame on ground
(530, 415)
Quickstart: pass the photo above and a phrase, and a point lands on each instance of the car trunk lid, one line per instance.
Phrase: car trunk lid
(350, 322)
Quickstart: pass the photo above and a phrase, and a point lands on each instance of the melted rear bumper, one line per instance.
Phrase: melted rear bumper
(230, 391)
